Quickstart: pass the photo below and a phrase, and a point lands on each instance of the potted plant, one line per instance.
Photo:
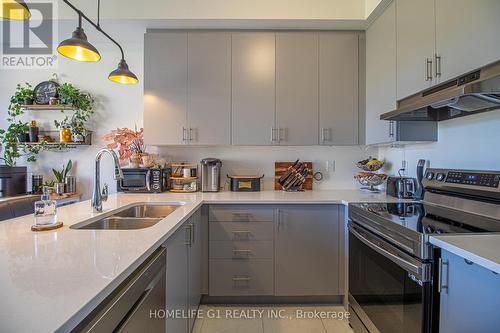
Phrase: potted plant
(61, 176)
(24, 94)
(130, 144)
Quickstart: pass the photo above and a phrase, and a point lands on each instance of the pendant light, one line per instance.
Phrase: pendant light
(77, 47)
(122, 74)
(14, 10)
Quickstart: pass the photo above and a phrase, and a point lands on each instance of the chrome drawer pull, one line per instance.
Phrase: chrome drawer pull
(241, 278)
(238, 252)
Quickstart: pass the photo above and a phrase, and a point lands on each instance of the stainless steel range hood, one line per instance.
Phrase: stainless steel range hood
(474, 92)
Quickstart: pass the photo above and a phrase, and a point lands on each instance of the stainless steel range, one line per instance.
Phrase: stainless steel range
(392, 287)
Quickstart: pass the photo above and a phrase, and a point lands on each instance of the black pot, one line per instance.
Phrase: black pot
(28, 101)
(23, 137)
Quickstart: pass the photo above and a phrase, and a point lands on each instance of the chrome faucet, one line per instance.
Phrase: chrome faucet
(97, 196)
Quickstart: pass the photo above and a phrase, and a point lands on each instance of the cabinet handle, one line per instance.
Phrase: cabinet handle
(189, 236)
(241, 278)
(428, 69)
(184, 134)
(325, 135)
(441, 284)
(247, 252)
(391, 129)
(192, 233)
(273, 134)
(438, 65)
(242, 216)
(240, 234)
(281, 137)
(191, 134)
(279, 220)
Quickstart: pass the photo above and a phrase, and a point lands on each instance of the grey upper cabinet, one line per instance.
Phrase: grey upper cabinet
(253, 88)
(466, 35)
(415, 46)
(338, 88)
(469, 297)
(307, 250)
(381, 76)
(209, 88)
(297, 88)
(165, 87)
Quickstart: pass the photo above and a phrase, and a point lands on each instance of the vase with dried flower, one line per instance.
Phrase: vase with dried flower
(130, 144)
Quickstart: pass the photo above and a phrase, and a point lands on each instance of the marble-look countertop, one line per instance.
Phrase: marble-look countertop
(50, 280)
(482, 249)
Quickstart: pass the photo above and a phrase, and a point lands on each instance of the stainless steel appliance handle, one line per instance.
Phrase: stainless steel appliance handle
(148, 180)
(391, 129)
(391, 255)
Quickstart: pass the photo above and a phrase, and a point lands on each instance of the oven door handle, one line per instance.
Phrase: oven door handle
(408, 266)
(148, 180)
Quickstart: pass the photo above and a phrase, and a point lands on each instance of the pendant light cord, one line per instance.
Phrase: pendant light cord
(97, 26)
(98, 13)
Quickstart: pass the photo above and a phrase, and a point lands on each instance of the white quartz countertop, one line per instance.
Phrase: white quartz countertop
(482, 249)
(50, 280)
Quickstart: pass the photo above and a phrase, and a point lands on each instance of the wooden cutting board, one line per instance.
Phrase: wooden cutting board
(281, 167)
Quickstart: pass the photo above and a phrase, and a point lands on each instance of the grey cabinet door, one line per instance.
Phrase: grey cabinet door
(165, 87)
(177, 279)
(381, 76)
(338, 88)
(297, 88)
(416, 42)
(209, 87)
(253, 88)
(307, 250)
(472, 299)
(194, 271)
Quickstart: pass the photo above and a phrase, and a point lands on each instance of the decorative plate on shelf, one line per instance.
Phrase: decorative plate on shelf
(44, 91)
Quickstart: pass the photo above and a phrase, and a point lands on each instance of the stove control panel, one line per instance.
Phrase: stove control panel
(440, 178)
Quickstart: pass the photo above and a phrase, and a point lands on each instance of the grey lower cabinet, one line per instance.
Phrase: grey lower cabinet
(469, 296)
(184, 255)
(269, 250)
(307, 250)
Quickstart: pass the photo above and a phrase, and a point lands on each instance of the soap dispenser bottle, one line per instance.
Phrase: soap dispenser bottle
(45, 209)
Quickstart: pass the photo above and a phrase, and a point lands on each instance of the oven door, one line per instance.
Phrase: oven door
(389, 290)
(135, 180)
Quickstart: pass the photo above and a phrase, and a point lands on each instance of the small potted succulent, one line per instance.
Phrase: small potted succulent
(61, 176)
(130, 144)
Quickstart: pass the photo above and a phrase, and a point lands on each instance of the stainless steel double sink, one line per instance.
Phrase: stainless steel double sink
(137, 216)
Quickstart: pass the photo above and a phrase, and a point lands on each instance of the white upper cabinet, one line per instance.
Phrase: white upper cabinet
(253, 75)
(380, 76)
(338, 88)
(297, 88)
(467, 35)
(165, 87)
(209, 88)
(415, 46)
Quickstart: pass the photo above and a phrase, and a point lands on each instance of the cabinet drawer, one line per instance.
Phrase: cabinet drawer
(241, 213)
(241, 231)
(241, 278)
(241, 250)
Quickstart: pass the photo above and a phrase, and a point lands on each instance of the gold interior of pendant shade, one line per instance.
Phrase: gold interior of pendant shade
(123, 74)
(78, 48)
(14, 10)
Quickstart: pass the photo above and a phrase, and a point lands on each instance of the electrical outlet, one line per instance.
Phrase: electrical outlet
(330, 166)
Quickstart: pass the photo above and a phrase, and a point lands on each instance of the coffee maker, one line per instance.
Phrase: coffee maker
(210, 174)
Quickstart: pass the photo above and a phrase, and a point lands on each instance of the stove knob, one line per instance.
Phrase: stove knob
(440, 177)
(430, 175)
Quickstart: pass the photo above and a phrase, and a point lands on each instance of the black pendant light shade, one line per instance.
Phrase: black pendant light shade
(123, 74)
(14, 10)
(78, 48)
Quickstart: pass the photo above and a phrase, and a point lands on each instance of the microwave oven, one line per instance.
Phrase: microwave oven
(143, 180)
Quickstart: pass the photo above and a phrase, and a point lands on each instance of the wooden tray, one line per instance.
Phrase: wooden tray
(281, 167)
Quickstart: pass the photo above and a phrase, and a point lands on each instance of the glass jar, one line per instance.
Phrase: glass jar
(65, 134)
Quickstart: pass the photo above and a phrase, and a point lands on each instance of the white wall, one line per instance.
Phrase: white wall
(117, 105)
(466, 143)
(260, 160)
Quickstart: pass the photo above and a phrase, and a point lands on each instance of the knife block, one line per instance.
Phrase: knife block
(281, 167)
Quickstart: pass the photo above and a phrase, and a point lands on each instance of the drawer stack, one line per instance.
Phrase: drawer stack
(241, 250)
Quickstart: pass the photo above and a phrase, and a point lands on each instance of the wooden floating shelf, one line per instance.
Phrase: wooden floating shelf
(36, 107)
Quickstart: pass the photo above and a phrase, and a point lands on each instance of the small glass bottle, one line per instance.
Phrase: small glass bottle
(45, 209)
